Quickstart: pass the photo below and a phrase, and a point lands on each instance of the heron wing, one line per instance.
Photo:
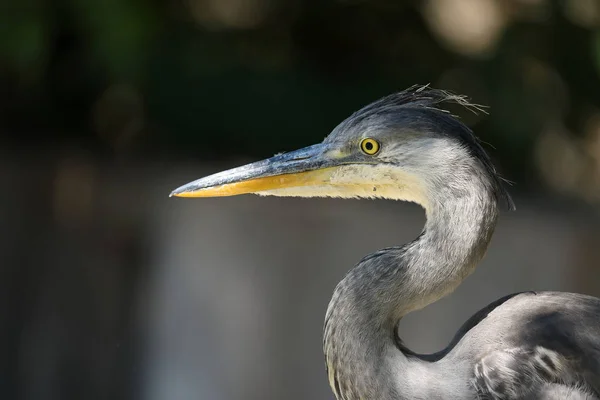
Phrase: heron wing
(551, 345)
(519, 373)
(557, 391)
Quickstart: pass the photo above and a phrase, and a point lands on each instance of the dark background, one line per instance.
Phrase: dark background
(110, 290)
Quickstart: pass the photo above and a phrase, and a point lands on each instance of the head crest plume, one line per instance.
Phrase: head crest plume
(425, 98)
(420, 96)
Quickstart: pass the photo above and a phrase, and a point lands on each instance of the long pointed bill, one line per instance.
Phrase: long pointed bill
(308, 167)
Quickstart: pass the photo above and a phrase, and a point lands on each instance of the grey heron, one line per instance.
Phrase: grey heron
(537, 345)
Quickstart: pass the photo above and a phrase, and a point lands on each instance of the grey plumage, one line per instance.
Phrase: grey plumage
(498, 355)
(524, 346)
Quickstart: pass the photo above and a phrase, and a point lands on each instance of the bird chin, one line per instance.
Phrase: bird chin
(344, 192)
(362, 181)
(349, 192)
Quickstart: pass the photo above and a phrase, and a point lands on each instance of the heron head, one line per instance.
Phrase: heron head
(400, 147)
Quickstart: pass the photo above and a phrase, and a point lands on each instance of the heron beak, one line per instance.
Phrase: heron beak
(311, 166)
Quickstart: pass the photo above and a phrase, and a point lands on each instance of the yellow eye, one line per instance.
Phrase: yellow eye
(369, 146)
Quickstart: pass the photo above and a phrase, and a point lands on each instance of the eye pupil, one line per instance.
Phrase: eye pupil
(369, 146)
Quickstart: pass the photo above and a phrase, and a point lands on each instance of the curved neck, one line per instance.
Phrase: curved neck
(369, 302)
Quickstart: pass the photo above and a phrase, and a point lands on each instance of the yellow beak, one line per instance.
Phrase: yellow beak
(308, 167)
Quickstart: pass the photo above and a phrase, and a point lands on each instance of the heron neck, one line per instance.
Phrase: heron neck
(369, 302)
(455, 238)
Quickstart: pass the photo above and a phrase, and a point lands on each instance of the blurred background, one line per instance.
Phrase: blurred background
(111, 290)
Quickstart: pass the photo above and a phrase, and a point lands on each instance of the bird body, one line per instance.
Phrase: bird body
(526, 346)
(496, 355)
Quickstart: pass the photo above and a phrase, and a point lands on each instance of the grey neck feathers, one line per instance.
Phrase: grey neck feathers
(368, 303)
